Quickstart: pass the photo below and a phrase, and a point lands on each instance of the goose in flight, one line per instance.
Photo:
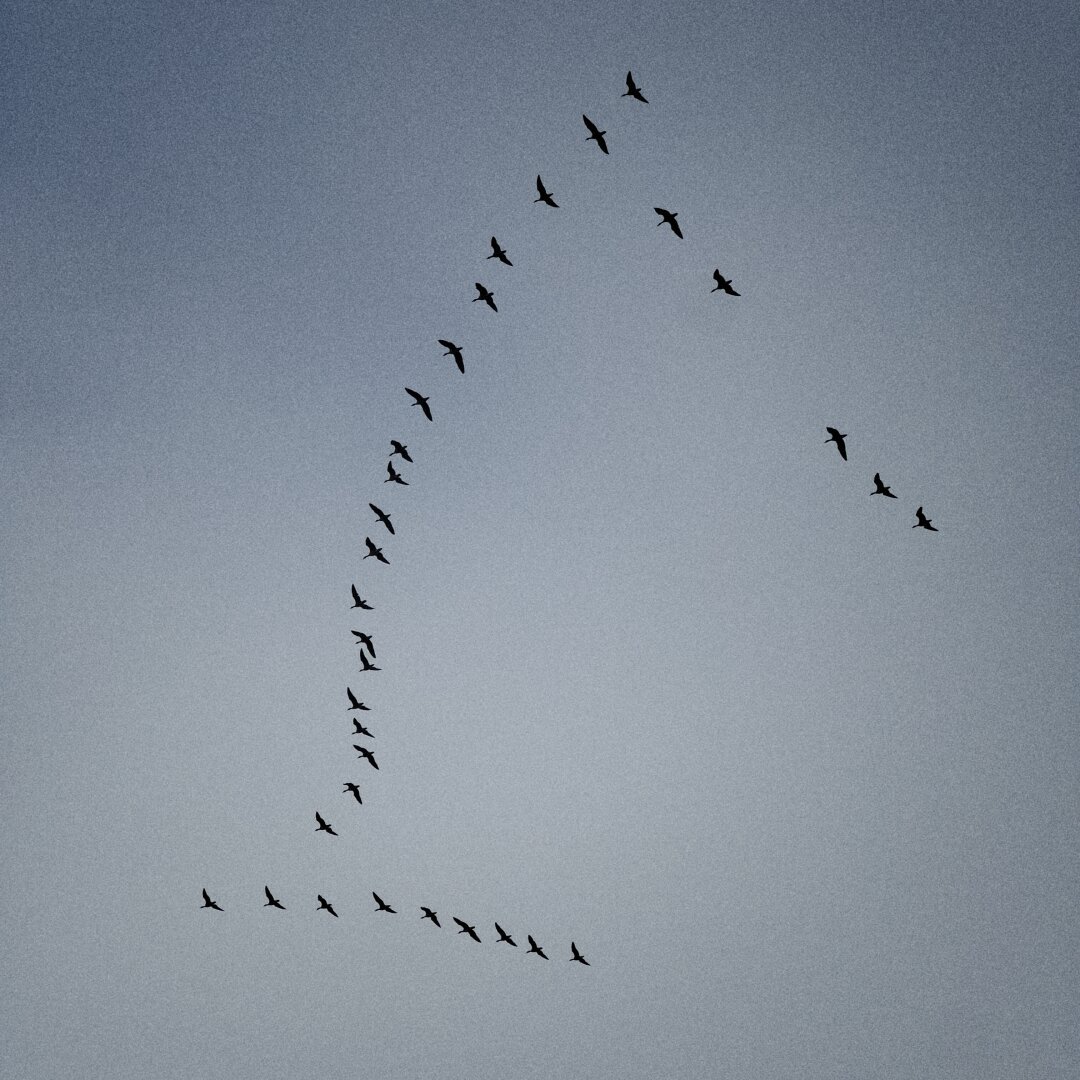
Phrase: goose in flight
(353, 703)
(207, 902)
(632, 90)
(355, 792)
(723, 284)
(365, 640)
(504, 936)
(836, 437)
(324, 906)
(271, 901)
(383, 906)
(577, 956)
(595, 134)
(384, 518)
(545, 195)
(359, 729)
(401, 449)
(467, 929)
(923, 521)
(364, 752)
(668, 218)
(373, 550)
(485, 295)
(322, 826)
(880, 488)
(498, 253)
(393, 476)
(533, 947)
(358, 603)
(366, 664)
(419, 399)
(429, 914)
(454, 350)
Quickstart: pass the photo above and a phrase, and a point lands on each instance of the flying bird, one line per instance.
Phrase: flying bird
(373, 550)
(454, 351)
(322, 826)
(668, 218)
(324, 906)
(632, 90)
(880, 488)
(366, 753)
(384, 518)
(355, 791)
(394, 477)
(207, 902)
(271, 901)
(429, 914)
(595, 134)
(923, 522)
(358, 603)
(365, 640)
(359, 729)
(401, 449)
(504, 936)
(723, 284)
(836, 437)
(420, 400)
(467, 929)
(577, 956)
(485, 295)
(545, 195)
(382, 906)
(498, 253)
(366, 664)
(533, 947)
(353, 703)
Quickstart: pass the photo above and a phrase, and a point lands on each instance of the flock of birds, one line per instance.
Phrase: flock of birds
(399, 450)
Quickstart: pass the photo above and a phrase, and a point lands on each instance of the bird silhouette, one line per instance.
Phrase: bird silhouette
(504, 936)
(420, 400)
(533, 947)
(498, 253)
(723, 284)
(353, 703)
(577, 956)
(365, 640)
(358, 603)
(382, 905)
(207, 902)
(467, 929)
(355, 792)
(359, 729)
(632, 90)
(545, 195)
(394, 477)
(881, 489)
(373, 550)
(668, 218)
(401, 449)
(454, 351)
(429, 914)
(366, 664)
(384, 518)
(595, 134)
(270, 899)
(923, 522)
(836, 437)
(485, 295)
(364, 752)
(324, 906)
(322, 826)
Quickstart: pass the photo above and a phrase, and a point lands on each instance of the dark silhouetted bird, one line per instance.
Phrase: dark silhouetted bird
(373, 550)
(270, 899)
(467, 929)
(394, 477)
(723, 284)
(923, 522)
(322, 826)
(365, 640)
(420, 400)
(358, 603)
(485, 295)
(429, 914)
(366, 664)
(504, 936)
(577, 956)
(632, 90)
(382, 905)
(324, 906)
(668, 218)
(355, 791)
(545, 195)
(401, 449)
(353, 703)
(207, 902)
(880, 488)
(384, 518)
(498, 253)
(454, 351)
(595, 134)
(836, 437)
(364, 752)
(359, 729)
(533, 947)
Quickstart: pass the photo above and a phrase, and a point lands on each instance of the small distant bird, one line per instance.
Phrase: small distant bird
(498, 253)
(668, 218)
(595, 134)
(429, 914)
(485, 295)
(383, 517)
(355, 791)
(454, 351)
(882, 489)
(358, 603)
(353, 703)
(923, 522)
(207, 902)
(420, 400)
(577, 956)
(366, 664)
(723, 284)
(373, 550)
(324, 906)
(467, 929)
(394, 477)
(836, 437)
(632, 90)
(359, 729)
(382, 906)
(545, 195)
(322, 826)
(365, 640)
(504, 936)
(533, 947)
(270, 900)
(366, 753)
(400, 448)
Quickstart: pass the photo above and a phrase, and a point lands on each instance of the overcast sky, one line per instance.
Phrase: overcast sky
(659, 676)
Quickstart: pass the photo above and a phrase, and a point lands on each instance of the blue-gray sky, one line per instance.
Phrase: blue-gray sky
(658, 676)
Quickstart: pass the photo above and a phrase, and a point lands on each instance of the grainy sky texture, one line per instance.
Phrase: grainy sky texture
(658, 675)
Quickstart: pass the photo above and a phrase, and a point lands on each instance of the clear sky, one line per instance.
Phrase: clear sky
(658, 675)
